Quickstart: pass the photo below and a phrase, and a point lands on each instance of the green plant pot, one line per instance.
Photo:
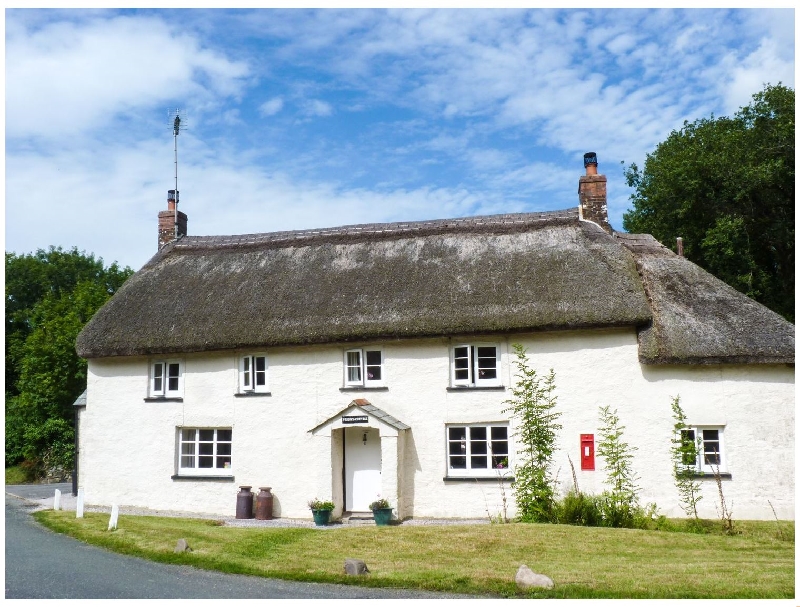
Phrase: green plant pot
(382, 516)
(321, 517)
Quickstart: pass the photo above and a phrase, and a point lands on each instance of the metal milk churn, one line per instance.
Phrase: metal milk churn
(244, 502)
(264, 504)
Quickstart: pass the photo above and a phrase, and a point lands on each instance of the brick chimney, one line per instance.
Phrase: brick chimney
(592, 194)
(167, 219)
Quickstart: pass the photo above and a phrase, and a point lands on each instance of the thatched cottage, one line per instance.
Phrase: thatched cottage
(346, 363)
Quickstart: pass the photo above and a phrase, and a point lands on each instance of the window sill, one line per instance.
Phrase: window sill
(725, 475)
(479, 479)
(250, 394)
(476, 388)
(163, 399)
(364, 389)
(202, 477)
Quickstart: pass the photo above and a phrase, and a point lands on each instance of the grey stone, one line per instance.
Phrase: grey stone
(526, 579)
(355, 567)
(182, 546)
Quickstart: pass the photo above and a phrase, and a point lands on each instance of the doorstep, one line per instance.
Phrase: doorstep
(357, 518)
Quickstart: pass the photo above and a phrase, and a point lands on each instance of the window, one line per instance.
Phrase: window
(477, 450)
(709, 448)
(166, 379)
(475, 365)
(363, 367)
(205, 451)
(253, 373)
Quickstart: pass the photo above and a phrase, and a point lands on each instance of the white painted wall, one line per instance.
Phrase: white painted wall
(128, 446)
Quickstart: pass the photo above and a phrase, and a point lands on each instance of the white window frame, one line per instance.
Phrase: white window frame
(161, 374)
(357, 368)
(196, 447)
(473, 369)
(462, 447)
(251, 377)
(704, 462)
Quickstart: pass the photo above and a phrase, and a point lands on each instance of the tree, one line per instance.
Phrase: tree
(622, 501)
(50, 296)
(684, 461)
(726, 186)
(533, 403)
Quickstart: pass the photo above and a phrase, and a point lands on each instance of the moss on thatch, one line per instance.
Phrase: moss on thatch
(495, 274)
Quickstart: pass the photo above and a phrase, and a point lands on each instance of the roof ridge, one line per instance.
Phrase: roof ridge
(504, 221)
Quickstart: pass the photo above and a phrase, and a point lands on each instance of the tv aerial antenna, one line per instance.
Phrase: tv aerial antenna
(177, 121)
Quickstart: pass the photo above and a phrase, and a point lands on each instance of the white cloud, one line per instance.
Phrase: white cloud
(271, 107)
(66, 77)
(748, 76)
(316, 107)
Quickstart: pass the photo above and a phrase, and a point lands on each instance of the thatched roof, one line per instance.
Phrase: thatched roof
(493, 274)
(697, 318)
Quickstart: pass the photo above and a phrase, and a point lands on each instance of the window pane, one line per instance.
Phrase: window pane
(499, 433)
(187, 461)
(224, 435)
(458, 433)
(478, 462)
(458, 447)
(500, 447)
(246, 361)
(224, 462)
(205, 462)
(478, 447)
(373, 365)
(188, 434)
(458, 463)
(261, 363)
(499, 462)
(173, 373)
(206, 435)
(187, 449)
(206, 448)
(354, 367)
(477, 433)
(158, 377)
(487, 362)
(461, 362)
(224, 449)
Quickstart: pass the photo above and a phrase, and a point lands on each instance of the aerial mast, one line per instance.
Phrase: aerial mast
(176, 123)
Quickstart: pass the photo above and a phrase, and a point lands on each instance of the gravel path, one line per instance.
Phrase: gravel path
(69, 502)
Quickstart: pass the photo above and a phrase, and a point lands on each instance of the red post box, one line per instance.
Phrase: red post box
(587, 451)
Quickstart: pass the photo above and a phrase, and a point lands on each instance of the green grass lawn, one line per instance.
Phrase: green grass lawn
(477, 559)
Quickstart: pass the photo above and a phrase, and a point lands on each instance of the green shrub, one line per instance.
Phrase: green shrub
(577, 508)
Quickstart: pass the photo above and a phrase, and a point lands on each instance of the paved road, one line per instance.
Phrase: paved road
(41, 564)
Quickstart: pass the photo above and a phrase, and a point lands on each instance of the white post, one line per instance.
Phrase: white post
(112, 523)
(57, 500)
(79, 505)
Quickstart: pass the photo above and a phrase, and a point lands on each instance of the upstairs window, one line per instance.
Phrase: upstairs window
(475, 365)
(477, 449)
(205, 451)
(363, 367)
(253, 373)
(709, 447)
(166, 379)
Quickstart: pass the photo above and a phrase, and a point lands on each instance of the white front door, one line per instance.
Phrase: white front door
(362, 462)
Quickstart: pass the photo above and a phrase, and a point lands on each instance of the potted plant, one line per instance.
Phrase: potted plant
(381, 511)
(321, 511)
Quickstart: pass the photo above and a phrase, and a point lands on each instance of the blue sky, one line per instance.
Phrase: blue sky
(313, 118)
